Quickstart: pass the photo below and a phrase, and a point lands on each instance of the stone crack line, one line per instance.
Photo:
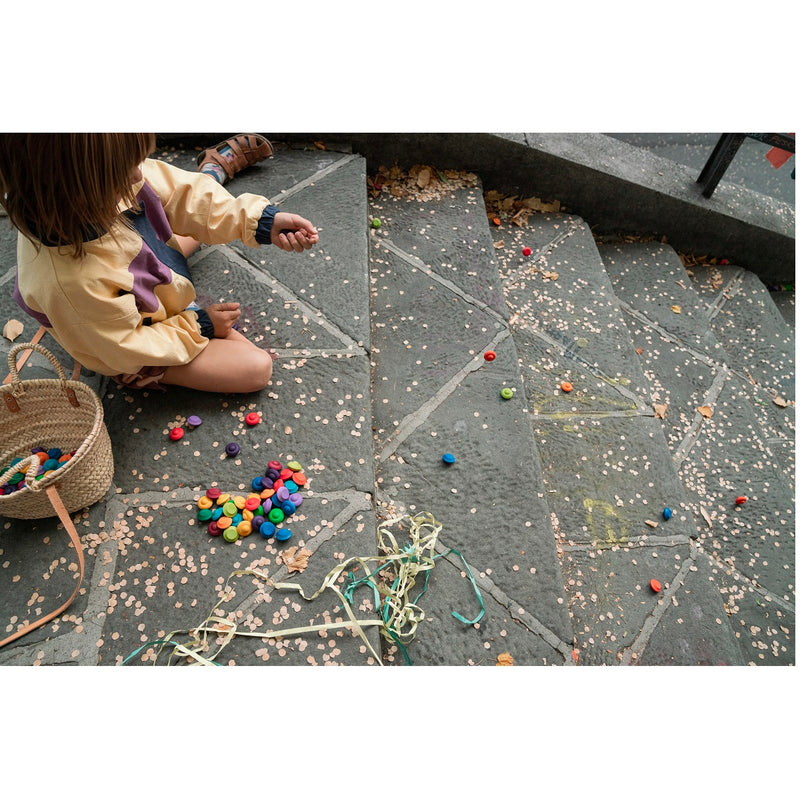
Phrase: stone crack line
(711, 396)
(670, 337)
(593, 369)
(634, 651)
(263, 277)
(412, 421)
(285, 194)
(417, 263)
(645, 540)
(715, 307)
(9, 275)
(730, 289)
(514, 608)
(771, 597)
(633, 412)
(541, 253)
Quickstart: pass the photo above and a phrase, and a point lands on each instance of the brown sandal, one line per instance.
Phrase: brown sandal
(247, 149)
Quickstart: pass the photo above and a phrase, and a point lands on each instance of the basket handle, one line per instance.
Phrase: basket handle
(30, 466)
(63, 515)
(18, 348)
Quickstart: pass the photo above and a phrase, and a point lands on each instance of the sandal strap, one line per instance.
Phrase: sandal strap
(247, 149)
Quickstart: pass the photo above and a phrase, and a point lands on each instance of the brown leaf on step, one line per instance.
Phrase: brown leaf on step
(651, 523)
(296, 561)
(779, 401)
(521, 217)
(660, 410)
(505, 660)
(499, 245)
(706, 517)
(676, 309)
(639, 351)
(320, 145)
(423, 178)
(706, 411)
(12, 329)
(552, 276)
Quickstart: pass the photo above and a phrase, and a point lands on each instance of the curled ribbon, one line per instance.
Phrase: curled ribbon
(391, 575)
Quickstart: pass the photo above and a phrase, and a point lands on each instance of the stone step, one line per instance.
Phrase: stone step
(713, 340)
(607, 470)
(437, 307)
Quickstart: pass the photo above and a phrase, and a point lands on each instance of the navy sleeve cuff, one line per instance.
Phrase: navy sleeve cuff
(206, 325)
(265, 224)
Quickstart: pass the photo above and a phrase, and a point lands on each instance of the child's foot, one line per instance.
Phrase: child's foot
(231, 156)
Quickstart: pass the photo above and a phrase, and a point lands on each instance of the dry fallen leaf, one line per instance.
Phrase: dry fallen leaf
(660, 410)
(706, 411)
(553, 276)
(499, 245)
(779, 401)
(651, 523)
(505, 660)
(424, 178)
(12, 329)
(676, 309)
(705, 516)
(296, 561)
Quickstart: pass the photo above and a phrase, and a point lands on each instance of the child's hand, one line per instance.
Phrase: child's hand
(224, 316)
(292, 233)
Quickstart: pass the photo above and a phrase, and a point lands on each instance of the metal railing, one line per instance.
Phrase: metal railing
(726, 149)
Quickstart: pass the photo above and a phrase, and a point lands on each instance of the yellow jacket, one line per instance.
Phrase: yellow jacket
(123, 305)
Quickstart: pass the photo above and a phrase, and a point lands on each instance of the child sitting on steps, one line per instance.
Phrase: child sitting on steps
(104, 233)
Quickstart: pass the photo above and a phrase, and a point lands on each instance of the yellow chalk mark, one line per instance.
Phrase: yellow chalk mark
(602, 515)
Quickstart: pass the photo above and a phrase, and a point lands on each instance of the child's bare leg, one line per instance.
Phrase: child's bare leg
(232, 364)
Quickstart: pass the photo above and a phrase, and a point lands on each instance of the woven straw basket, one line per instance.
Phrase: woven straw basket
(47, 413)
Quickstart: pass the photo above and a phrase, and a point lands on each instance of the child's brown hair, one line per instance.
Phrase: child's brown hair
(63, 188)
